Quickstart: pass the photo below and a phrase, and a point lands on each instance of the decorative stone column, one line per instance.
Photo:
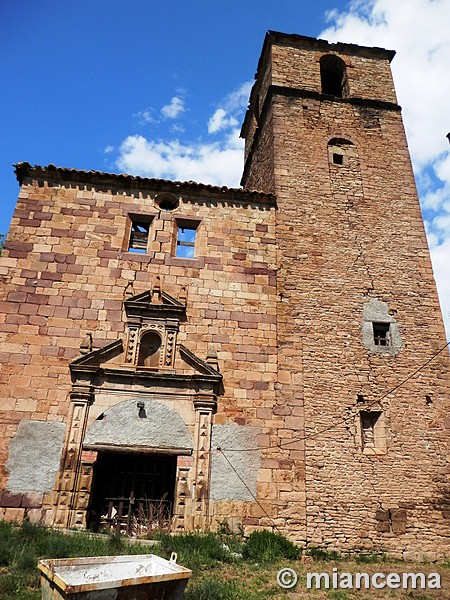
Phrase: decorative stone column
(69, 503)
(182, 519)
(205, 405)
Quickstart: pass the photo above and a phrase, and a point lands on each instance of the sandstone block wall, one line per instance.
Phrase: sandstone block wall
(66, 268)
(319, 301)
(351, 238)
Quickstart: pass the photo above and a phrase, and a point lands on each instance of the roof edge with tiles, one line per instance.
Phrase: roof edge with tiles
(24, 170)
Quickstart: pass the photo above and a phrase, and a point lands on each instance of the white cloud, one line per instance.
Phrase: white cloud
(231, 110)
(108, 149)
(217, 163)
(418, 31)
(440, 256)
(177, 128)
(237, 100)
(220, 120)
(174, 109)
(145, 116)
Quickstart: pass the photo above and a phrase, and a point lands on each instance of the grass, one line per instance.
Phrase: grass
(225, 566)
(22, 547)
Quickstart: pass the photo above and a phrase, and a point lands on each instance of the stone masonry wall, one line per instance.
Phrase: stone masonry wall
(353, 436)
(351, 236)
(65, 270)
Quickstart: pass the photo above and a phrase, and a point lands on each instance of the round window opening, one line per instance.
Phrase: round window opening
(167, 201)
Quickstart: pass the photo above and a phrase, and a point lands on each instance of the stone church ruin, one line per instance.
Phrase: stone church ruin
(271, 356)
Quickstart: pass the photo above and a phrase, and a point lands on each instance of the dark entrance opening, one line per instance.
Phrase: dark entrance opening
(132, 493)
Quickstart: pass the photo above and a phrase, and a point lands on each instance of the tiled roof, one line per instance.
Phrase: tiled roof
(24, 170)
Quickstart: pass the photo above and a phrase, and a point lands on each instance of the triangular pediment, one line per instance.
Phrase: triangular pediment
(100, 356)
(111, 359)
(149, 354)
(154, 304)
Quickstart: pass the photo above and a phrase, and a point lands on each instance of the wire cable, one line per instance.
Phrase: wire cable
(345, 419)
(248, 489)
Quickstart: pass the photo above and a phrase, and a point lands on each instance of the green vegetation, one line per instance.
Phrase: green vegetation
(266, 547)
(213, 588)
(325, 555)
(2, 241)
(198, 551)
(225, 566)
(22, 547)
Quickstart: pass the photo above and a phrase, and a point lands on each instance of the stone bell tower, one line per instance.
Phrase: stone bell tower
(362, 364)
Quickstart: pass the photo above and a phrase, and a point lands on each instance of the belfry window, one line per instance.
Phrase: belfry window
(333, 75)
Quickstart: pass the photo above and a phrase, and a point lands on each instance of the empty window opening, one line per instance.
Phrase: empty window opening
(371, 430)
(149, 350)
(333, 75)
(339, 151)
(381, 335)
(139, 236)
(186, 241)
(132, 492)
(167, 201)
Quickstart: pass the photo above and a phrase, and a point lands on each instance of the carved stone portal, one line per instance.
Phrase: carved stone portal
(144, 369)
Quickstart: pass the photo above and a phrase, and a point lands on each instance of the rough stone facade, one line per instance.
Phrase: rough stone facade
(291, 373)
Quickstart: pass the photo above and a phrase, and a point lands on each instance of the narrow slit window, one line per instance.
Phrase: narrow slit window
(139, 236)
(186, 241)
(381, 333)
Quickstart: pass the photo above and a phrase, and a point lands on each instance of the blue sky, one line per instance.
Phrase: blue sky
(159, 88)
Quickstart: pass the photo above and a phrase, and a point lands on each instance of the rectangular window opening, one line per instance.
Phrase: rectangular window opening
(186, 235)
(139, 235)
(381, 334)
(338, 159)
(370, 425)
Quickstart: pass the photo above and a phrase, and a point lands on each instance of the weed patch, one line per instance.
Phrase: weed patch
(216, 589)
(325, 555)
(265, 547)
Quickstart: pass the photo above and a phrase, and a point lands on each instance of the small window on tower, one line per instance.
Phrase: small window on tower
(338, 159)
(186, 235)
(381, 335)
(372, 432)
(139, 233)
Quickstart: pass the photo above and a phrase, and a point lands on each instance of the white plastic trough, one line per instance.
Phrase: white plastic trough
(140, 577)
